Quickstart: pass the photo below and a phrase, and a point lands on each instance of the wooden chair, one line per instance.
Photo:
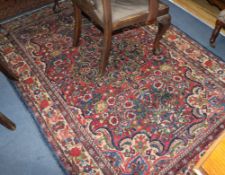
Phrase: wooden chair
(220, 23)
(112, 15)
(56, 7)
(6, 122)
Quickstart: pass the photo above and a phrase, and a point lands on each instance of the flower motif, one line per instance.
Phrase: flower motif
(75, 152)
(158, 72)
(131, 115)
(101, 106)
(29, 80)
(113, 120)
(111, 101)
(44, 104)
(177, 78)
(198, 99)
(170, 89)
(208, 63)
(158, 85)
(87, 97)
(128, 104)
(165, 68)
(148, 152)
(158, 58)
(172, 37)
(85, 70)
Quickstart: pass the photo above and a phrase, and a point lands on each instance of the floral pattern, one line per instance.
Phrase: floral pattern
(145, 116)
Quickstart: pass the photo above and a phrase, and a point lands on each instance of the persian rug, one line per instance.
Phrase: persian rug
(147, 115)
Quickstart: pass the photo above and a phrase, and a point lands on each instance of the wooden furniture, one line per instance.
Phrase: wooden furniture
(56, 6)
(11, 8)
(112, 15)
(213, 162)
(220, 23)
(5, 121)
(219, 3)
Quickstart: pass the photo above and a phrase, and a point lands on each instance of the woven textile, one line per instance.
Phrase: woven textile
(148, 115)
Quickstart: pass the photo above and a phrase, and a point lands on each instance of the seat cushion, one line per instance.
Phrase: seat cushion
(123, 8)
(221, 16)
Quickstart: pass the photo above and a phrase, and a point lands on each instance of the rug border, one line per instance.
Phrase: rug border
(181, 31)
(39, 128)
(219, 57)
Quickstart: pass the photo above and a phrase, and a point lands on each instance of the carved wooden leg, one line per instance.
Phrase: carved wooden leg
(163, 24)
(7, 71)
(77, 25)
(56, 7)
(7, 122)
(107, 42)
(216, 32)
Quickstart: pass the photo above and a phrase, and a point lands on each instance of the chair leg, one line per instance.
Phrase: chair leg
(7, 122)
(77, 25)
(107, 42)
(55, 7)
(215, 32)
(163, 24)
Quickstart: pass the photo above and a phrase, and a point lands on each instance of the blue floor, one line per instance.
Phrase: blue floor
(196, 29)
(24, 152)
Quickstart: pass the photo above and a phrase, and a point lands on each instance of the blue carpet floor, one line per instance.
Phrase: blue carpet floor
(197, 30)
(24, 151)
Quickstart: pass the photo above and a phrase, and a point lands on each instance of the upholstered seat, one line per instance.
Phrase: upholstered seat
(221, 16)
(123, 9)
(112, 15)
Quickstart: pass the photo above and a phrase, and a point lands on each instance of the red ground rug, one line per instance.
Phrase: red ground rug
(147, 115)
